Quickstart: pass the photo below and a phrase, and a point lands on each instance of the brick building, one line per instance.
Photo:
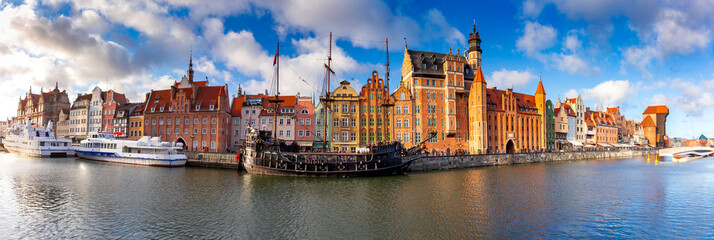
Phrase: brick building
(372, 97)
(190, 112)
(43, 107)
(403, 100)
(654, 121)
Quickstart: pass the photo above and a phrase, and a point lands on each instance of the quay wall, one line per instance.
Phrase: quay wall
(432, 163)
(212, 160)
(435, 163)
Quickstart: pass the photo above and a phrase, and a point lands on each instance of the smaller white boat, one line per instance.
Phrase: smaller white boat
(148, 151)
(36, 141)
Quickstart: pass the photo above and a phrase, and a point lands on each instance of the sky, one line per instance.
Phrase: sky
(630, 54)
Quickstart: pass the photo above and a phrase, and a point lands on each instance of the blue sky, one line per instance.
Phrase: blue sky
(613, 53)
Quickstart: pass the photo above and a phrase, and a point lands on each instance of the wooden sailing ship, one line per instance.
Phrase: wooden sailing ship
(266, 154)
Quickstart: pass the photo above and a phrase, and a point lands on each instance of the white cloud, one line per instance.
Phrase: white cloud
(610, 93)
(572, 93)
(510, 78)
(573, 64)
(535, 38)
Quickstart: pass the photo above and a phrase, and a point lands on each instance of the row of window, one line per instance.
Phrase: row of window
(185, 131)
(178, 121)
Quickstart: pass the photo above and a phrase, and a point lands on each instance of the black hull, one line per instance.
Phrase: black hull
(388, 171)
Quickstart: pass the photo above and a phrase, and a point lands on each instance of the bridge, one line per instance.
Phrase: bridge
(691, 151)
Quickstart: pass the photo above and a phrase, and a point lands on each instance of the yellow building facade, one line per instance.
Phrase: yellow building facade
(345, 117)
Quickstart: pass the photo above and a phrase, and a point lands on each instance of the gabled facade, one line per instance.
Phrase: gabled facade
(345, 114)
(550, 125)
(403, 100)
(43, 107)
(305, 128)
(323, 120)
(372, 111)
(192, 113)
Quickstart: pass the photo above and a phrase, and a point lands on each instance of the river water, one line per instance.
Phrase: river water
(630, 198)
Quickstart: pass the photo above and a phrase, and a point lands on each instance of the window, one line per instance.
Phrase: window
(371, 109)
(161, 122)
(353, 136)
(318, 121)
(344, 122)
(371, 122)
(280, 133)
(399, 110)
(318, 133)
(406, 123)
(195, 121)
(213, 131)
(353, 122)
(304, 111)
(335, 137)
(344, 136)
(205, 121)
(300, 133)
(199, 108)
(213, 121)
(301, 122)
(344, 108)
(288, 121)
(399, 123)
(353, 108)
(287, 133)
(307, 133)
(168, 131)
(335, 122)
(203, 131)
(307, 121)
(280, 121)
(153, 122)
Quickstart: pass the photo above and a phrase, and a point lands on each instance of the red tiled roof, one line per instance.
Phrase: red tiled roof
(657, 109)
(207, 96)
(571, 100)
(236, 106)
(524, 101)
(158, 99)
(556, 111)
(614, 110)
(569, 111)
(647, 122)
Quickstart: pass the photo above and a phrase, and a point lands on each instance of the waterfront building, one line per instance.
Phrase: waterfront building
(654, 120)
(43, 107)
(286, 117)
(305, 128)
(620, 122)
(550, 125)
(237, 134)
(78, 117)
(251, 108)
(514, 119)
(440, 84)
(136, 122)
(403, 100)
(345, 104)
(321, 112)
(63, 124)
(576, 104)
(120, 122)
(190, 112)
(638, 134)
(3, 127)
(605, 127)
(374, 117)
(590, 139)
(561, 128)
(112, 101)
(94, 112)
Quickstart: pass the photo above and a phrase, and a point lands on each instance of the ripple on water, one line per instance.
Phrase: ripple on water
(67, 198)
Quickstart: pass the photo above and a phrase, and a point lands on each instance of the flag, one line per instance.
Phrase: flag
(275, 59)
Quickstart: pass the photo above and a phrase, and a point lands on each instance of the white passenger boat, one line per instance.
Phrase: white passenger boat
(148, 151)
(36, 141)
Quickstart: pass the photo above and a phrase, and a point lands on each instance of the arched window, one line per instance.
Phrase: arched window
(304, 111)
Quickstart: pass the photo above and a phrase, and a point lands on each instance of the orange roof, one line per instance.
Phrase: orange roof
(657, 109)
(540, 89)
(647, 122)
(556, 111)
(614, 110)
(479, 76)
(570, 100)
(569, 111)
(523, 101)
(236, 105)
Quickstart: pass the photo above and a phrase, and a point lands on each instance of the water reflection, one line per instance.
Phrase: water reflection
(67, 198)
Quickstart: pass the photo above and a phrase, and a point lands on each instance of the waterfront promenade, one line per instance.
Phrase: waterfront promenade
(446, 162)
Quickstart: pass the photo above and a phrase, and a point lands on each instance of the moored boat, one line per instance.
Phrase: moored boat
(147, 151)
(36, 141)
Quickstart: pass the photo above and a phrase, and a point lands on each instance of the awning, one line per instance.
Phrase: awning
(589, 146)
(576, 143)
(604, 145)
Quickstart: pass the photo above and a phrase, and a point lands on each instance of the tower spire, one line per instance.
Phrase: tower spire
(190, 66)
(474, 25)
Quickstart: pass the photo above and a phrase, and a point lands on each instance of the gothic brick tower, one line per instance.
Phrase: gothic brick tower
(540, 104)
(478, 133)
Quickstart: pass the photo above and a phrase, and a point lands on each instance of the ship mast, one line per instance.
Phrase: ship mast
(327, 99)
(386, 104)
(276, 102)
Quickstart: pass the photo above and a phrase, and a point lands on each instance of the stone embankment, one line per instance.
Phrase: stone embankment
(212, 160)
(432, 163)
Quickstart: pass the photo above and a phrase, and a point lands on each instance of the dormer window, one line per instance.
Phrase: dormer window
(423, 65)
(198, 107)
(435, 67)
(153, 109)
(210, 107)
(161, 109)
